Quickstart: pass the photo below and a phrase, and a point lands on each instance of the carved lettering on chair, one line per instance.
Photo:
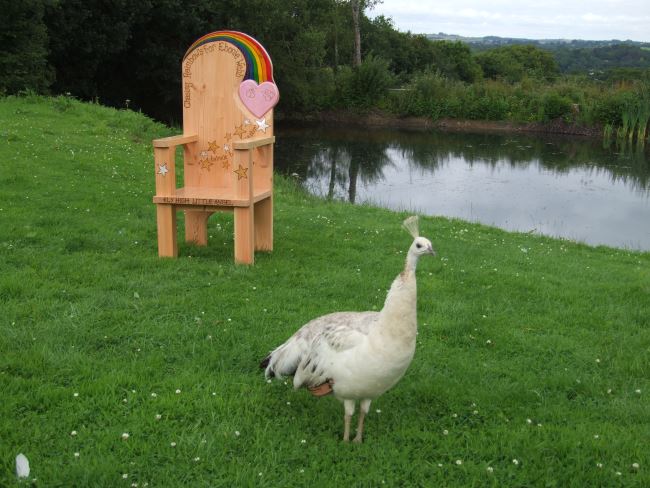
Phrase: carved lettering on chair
(195, 201)
(187, 99)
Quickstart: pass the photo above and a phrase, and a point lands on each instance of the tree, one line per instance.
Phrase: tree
(455, 61)
(23, 47)
(512, 63)
(358, 6)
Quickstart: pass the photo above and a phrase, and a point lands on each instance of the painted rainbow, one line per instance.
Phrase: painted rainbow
(258, 61)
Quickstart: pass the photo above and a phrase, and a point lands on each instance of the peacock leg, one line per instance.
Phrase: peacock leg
(363, 410)
(349, 411)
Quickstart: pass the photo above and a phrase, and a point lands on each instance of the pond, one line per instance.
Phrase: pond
(569, 187)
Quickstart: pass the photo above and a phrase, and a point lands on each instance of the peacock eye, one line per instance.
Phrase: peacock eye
(418, 245)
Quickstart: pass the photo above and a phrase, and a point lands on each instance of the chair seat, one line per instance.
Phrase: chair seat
(210, 197)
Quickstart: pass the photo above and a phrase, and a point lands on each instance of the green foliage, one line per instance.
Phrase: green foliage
(555, 106)
(609, 109)
(529, 348)
(599, 60)
(513, 63)
(127, 54)
(23, 47)
(365, 85)
(455, 61)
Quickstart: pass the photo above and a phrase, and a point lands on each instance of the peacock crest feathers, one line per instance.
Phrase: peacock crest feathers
(411, 225)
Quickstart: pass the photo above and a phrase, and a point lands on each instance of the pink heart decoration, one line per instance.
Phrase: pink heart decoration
(258, 99)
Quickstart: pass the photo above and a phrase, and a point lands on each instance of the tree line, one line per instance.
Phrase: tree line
(122, 52)
(327, 55)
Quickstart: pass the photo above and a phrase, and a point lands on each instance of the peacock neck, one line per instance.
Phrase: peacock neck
(399, 315)
(411, 263)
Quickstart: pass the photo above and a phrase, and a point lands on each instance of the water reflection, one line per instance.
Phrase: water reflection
(561, 186)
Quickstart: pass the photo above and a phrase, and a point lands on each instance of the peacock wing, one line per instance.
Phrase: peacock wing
(339, 332)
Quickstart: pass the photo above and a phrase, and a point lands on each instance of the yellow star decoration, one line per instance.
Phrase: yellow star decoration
(228, 136)
(241, 172)
(251, 132)
(212, 146)
(225, 164)
(239, 131)
(206, 164)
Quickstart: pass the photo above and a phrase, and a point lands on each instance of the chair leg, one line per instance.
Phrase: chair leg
(166, 220)
(196, 227)
(264, 225)
(244, 235)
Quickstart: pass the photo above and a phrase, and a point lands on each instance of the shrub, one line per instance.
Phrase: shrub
(609, 109)
(555, 106)
(365, 85)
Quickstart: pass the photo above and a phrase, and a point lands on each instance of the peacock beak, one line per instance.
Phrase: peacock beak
(431, 251)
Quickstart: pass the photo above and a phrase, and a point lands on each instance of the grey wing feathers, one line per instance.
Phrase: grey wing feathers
(312, 348)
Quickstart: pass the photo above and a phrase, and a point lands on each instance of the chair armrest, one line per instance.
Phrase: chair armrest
(174, 141)
(245, 144)
(164, 151)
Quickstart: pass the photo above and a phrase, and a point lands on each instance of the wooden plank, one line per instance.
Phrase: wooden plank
(253, 143)
(196, 227)
(244, 235)
(264, 225)
(174, 141)
(165, 168)
(206, 197)
(166, 220)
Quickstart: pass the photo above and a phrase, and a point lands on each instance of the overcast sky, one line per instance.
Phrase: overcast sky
(533, 19)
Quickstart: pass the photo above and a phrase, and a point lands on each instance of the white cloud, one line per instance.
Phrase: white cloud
(569, 19)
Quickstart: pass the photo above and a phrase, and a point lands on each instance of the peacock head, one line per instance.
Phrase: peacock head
(421, 245)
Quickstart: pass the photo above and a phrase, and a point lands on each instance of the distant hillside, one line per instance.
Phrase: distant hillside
(571, 55)
(488, 42)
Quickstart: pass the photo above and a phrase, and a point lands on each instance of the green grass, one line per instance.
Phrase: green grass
(530, 348)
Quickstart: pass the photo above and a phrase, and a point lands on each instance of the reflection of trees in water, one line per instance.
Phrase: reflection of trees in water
(341, 161)
(343, 156)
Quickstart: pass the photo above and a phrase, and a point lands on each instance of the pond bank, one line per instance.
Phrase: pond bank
(385, 120)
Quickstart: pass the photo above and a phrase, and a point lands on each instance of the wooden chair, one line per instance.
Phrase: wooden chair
(227, 141)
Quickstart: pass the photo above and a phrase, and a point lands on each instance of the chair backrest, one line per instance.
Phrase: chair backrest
(228, 95)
